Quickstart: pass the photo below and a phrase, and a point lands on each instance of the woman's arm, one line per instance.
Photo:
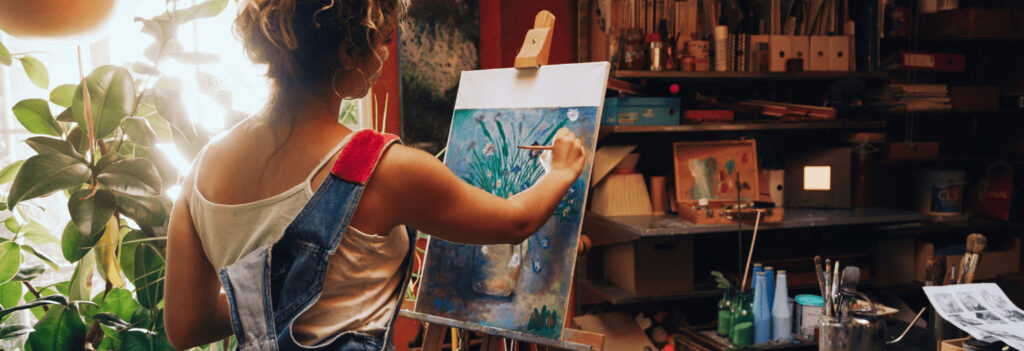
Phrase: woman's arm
(195, 311)
(432, 199)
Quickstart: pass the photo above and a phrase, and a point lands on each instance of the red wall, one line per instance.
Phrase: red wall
(503, 25)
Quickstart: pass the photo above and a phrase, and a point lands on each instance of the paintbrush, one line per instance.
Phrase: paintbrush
(975, 245)
(828, 287)
(952, 274)
(935, 271)
(848, 289)
(536, 147)
(835, 286)
(818, 271)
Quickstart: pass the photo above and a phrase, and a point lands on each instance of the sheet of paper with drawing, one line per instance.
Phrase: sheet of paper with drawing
(982, 310)
(524, 287)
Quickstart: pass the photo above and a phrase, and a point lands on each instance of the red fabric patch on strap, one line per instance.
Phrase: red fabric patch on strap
(359, 157)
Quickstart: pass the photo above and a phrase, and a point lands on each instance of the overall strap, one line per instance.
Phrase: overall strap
(360, 156)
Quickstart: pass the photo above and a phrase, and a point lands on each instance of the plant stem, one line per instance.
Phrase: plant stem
(87, 107)
(35, 293)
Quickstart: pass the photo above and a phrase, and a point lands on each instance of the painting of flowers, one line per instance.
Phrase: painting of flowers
(522, 287)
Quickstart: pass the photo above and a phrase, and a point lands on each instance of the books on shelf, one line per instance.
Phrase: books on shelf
(911, 97)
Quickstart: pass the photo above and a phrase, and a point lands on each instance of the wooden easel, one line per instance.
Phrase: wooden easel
(534, 53)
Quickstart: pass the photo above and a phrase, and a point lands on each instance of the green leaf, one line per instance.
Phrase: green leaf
(149, 266)
(38, 234)
(35, 116)
(79, 288)
(145, 340)
(51, 145)
(5, 56)
(14, 330)
(120, 303)
(127, 255)
(137, 176)
(112, 92)
(44, 174)
(10, 294)
(204, 10)
(145, 210)
(10, 260)
(12, 224)
(35, 306)
(36, 71)
(7, 174)
(68, 115)
(91, 213)
(72, 245)
(77, 139)
(110, 320)
(29, 273)
(138, 130)
(63, 94)
(41, 256)
(60, 329)
(107, 160)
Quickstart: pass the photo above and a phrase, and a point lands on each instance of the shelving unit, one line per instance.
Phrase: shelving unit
(619, 296)
(609, 230)
(745, 76)
(746, 126)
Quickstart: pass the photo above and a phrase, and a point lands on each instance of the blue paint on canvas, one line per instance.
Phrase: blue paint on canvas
(514, 287)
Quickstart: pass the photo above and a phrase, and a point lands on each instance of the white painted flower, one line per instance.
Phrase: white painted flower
(573, 114)
(515, 260)
(489, 149)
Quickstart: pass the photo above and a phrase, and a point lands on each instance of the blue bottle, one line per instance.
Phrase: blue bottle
(762, 313)
(753, 276)
(769, 275)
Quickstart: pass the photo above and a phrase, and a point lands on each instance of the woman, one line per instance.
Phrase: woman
(250, 183)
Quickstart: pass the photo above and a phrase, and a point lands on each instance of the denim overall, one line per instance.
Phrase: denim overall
(269, 287)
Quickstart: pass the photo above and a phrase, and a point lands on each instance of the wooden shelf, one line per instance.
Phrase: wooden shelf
(609, 230)
(744, 76)
(746, 126)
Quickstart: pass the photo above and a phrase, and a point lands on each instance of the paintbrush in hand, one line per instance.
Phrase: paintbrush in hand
(536, 147)
(975, 245)
(935, 271)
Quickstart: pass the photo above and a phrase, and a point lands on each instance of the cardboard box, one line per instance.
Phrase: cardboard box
(656, 266)
(918, 150)
(967, 23)
(643, 111)
(999, 257)
(896, 260)
(952, 344)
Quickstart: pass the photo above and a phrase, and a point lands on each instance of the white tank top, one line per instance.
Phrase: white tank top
(360, 285)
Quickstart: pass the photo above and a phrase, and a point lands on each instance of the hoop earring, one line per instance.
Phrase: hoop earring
(334, 82)
(366, 83)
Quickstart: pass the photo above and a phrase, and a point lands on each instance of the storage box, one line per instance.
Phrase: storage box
(644, 111)
(657, 266)
(952, 344)
(999, 192)
(1001, 255)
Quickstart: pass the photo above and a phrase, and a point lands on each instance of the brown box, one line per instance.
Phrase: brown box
(974, 98)
(655, 266)
(967, 23)
(952, 344)
(896, 260)
(999, 257)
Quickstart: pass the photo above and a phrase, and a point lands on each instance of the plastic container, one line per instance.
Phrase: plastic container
(762, 311)
(808, 314)
(940, 193)
(782, 315)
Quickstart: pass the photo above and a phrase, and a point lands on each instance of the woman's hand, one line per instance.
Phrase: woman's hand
(567, 154)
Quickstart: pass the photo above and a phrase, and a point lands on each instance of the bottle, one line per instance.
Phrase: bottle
(742, 321)
(725, 313)
(769, 283)
(762, 313)
(782, 315)
(758, 267)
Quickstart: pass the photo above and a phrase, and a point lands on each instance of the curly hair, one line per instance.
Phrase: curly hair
(299, 40)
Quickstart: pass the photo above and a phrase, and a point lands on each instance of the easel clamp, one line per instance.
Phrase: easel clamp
(537, 45)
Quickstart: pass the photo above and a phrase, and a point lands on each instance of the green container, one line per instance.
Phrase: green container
(725, 313)
(742, 319)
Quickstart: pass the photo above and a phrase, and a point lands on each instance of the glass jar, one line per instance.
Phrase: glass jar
(725, 313)
(742, 320)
